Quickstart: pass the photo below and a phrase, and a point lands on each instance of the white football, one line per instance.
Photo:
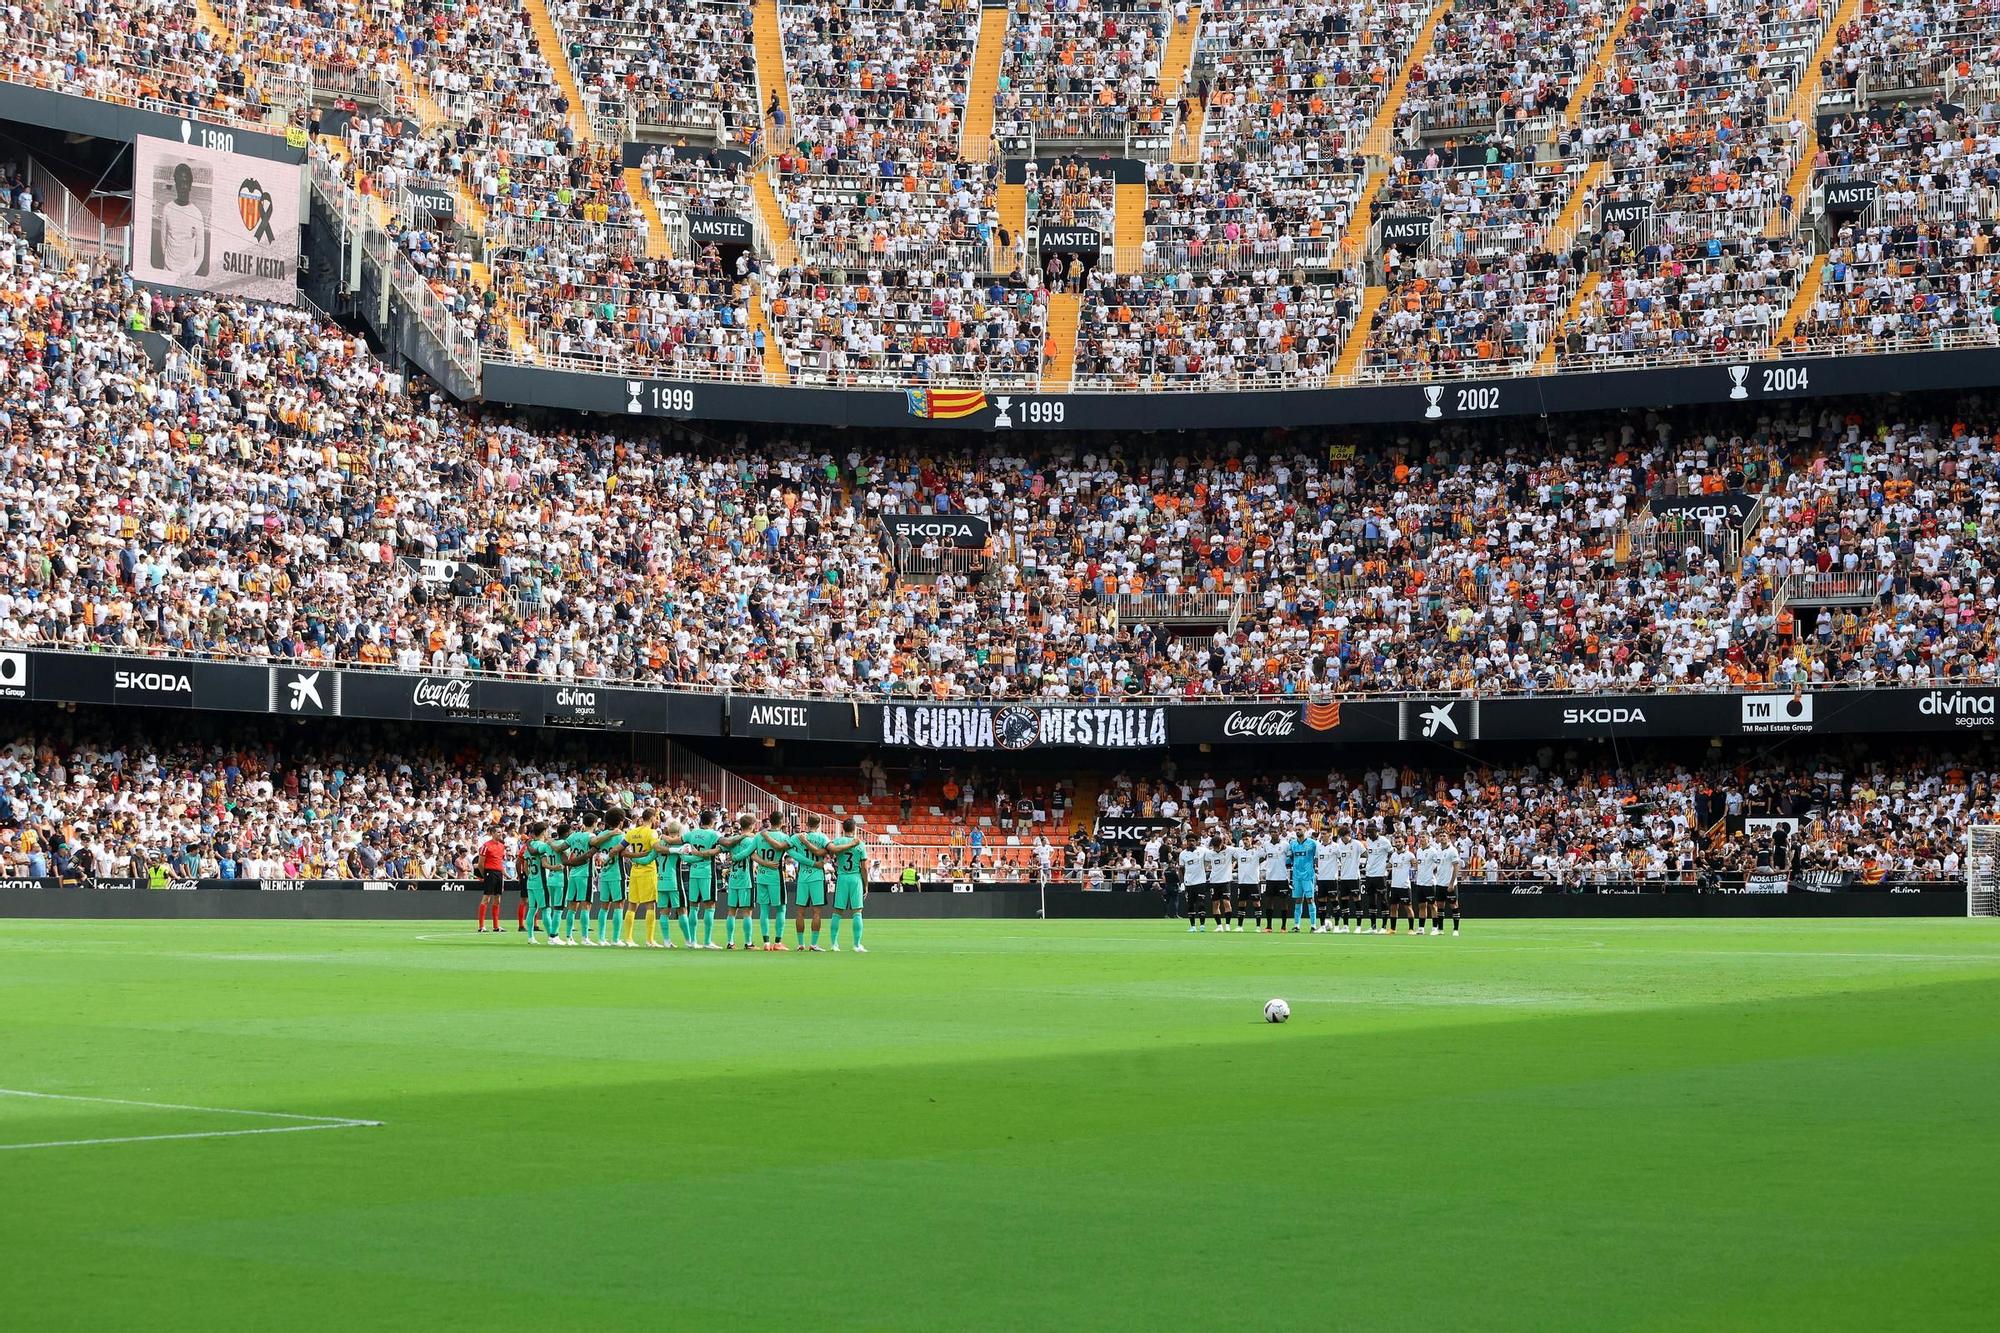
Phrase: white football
(1277, 1011)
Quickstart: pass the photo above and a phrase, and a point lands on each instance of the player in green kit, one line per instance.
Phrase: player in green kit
(701, 852)
(673, 897)
(540, 869)
(768, 883)
(741, 847)
(850, 854)
(808, 849)
(574, 850)
(611, 886)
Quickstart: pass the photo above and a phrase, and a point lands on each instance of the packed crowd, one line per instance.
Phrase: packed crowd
(88, 801)
(892, 233)
(260, 492)
(1485, 289)
(150, 53)
(1919, 268)
(1571, 819)
(1505, 67)
(1214, 329)
(668, 63)
(1075, 71)
(80, 797)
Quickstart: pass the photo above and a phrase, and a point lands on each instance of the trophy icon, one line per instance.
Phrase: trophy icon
(1433, 395)
(633, 388)
(1002, 406)
(1738, 374)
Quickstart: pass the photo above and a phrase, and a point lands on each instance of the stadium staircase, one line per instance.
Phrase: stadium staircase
(1354, 242)
(517, 337)
(1059, 361)
(1083, 810)
(1382, 131)
(769, 44)
(556, 53)
(1805, 110)
(1808, 293)
(1012, 203)
(775, 369)
(657, 245)
(1571, 217)
(1357, 341)
(1600, 65)
(429, 114)
(1130, 236)
(212, 21)
(777, 231)
(1175, 70)
(1546, 362)
(769, 47)
(975, 128)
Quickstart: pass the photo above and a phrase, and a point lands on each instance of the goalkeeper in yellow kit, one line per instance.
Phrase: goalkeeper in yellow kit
(642, 852)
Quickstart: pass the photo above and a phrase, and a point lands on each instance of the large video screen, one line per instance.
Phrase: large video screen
(215, 222)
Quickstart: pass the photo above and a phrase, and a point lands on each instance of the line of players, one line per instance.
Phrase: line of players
(586, 876)
(1366, 884)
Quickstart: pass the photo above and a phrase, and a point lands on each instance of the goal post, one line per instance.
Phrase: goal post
(1982, 870)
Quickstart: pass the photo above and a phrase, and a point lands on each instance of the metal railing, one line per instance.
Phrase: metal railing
(1188, 608)
(81, 647)
(1837, 587)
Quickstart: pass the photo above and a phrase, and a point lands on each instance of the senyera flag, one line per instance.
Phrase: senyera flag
(945, 404)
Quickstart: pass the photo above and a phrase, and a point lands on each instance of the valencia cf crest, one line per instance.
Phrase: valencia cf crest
(254, 205)
(1016, 728)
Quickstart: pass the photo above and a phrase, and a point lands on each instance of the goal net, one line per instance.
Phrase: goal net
(1982, 870)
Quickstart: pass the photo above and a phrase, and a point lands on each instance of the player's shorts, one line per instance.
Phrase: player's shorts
(611, 890)
(1399, 893)
(672, 895)
(645, 892)
(769, 893)
(809, 893)
(738, 895)
(537, 890)
(490, 881)
(1378, 888)
(1277, 888)
(1302, 892)
(577, 891)
(847, 896)
(701, 892)
(1350, 889)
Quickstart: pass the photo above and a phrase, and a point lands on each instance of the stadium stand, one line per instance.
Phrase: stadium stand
(1274, 137)
(1479, 561)
(395, 803)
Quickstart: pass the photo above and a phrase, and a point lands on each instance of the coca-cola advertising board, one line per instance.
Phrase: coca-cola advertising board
(441, 698)
(1283, 721)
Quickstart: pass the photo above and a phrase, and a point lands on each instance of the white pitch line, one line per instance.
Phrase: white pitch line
(177, 1106)
(318, 1121)
(203, 1134)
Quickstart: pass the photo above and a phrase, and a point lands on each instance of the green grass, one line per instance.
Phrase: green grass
(1015, 1125)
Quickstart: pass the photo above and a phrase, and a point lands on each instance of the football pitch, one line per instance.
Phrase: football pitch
(1001, 1125)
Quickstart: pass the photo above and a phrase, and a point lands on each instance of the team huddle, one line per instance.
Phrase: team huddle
(1365, 884)
(588, 881)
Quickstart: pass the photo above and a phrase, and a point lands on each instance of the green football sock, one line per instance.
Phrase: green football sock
(800, 927)
(857, 929)
(687, 927)
(815, 935)
(707, 926)
(834, 925)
